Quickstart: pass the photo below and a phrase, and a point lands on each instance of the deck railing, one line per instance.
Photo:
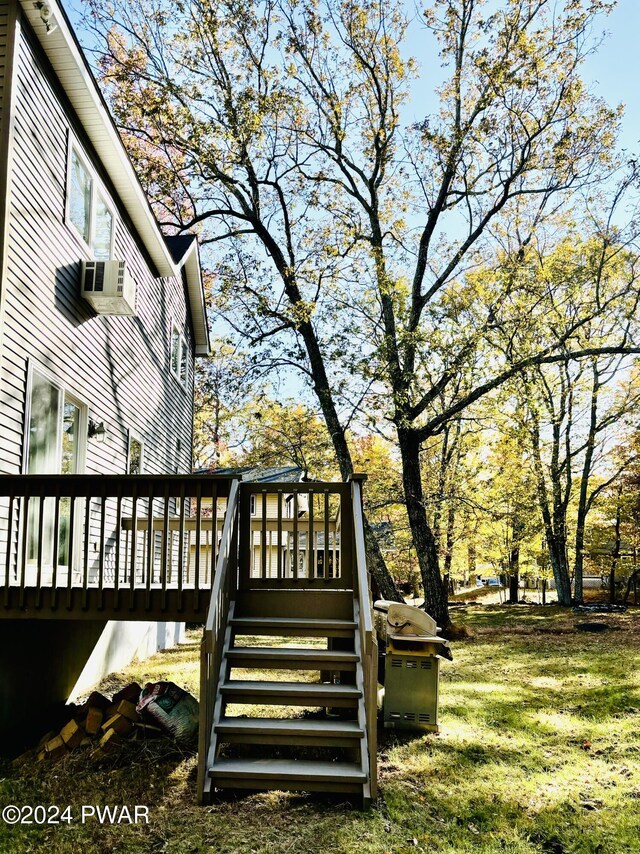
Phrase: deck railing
(367, 639)
(124, 533)
(294, 534)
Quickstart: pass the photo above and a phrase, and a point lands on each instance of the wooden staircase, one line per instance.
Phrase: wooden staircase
(289, 676)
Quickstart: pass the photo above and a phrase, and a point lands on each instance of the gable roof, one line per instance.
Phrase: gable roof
(179, 245)
(68, 61)
(256, 474)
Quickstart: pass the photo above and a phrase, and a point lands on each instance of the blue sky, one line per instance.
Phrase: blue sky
(614, 72)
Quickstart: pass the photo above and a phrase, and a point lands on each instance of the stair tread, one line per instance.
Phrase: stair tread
(287, 769)
(296, 622)
(292, 688)
(300, 726)
(296, 653)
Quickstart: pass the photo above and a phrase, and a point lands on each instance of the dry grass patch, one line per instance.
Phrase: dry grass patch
(539, 752)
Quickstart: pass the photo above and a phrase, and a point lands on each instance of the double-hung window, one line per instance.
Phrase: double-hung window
(88, 210)
(179, 356)
(56, 444)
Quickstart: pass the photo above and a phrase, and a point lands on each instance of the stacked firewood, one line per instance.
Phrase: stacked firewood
(101, 725)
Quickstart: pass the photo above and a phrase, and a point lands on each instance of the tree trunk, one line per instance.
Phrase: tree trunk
(632, 582)
(435, 595)
(616, 552)
(514, 573)
(382, 584)
(554, 525)
(517, 535)
(583, 500)
(472, 566)
(450, 539)
(558, 556)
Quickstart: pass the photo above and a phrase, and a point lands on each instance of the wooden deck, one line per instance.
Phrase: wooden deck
(109, 547)
(209, 550)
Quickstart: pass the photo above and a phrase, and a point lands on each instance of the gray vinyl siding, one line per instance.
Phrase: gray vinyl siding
(118, 366)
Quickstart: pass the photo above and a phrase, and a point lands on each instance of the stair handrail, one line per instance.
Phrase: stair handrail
(214, 629)
(368, 639)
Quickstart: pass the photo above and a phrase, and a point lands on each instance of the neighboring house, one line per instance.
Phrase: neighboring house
(284, 507)
(96, 360)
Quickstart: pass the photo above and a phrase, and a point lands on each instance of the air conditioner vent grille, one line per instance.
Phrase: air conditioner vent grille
(109, 287)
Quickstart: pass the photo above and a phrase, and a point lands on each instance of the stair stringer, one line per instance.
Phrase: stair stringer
(362, 712)
(219, 702)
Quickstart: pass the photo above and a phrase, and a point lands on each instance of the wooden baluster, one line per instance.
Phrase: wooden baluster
(40, 548)
(25, 545)
(116, 580)
(150, 549)
(54, 559)
(181, 547)
(336, 551)
(165, 547)
(279, 558)
(295, 534)
(327, 574)
(7, 566)
(103, 513)
(263, 535)
(196, 569)
(134, 548)
(71, 550)
(214, 536)
(85, 553)
(310, 556)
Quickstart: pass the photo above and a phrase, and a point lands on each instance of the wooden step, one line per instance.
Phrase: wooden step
(293, 627)
(287, 658)
(321, 604)
(290, 693)
(288, 774)
(292, 731)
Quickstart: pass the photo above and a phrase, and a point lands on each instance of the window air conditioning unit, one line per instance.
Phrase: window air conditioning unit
(109, 287)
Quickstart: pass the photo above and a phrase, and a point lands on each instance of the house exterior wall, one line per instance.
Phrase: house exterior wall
(118, 366)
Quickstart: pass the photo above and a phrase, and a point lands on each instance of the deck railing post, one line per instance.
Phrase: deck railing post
(368, 643)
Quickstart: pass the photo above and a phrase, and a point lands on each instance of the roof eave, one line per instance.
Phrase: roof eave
(197, 300)
(68, 62)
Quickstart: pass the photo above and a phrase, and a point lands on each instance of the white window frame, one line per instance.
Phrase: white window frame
(182, 348)
(65, 394)
(97, 189)
(83, 425)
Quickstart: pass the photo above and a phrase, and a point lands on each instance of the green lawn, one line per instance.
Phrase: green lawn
(539, 752)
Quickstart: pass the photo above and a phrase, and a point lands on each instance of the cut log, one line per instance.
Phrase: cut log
(56, 748)
(46, 737)
(109, 742)
(119, 724)
(94, 720)
(72, 734)
(128, 710)
(98, 701)
(130, 692)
